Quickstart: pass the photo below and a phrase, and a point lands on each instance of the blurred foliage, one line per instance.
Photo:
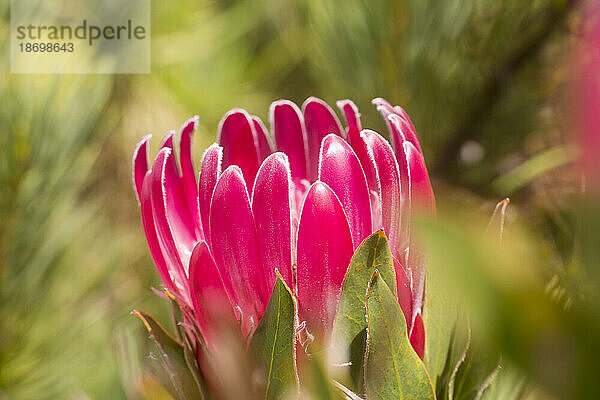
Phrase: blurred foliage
(540, 314)
(73, 259)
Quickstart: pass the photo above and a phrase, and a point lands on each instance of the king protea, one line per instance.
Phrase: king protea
(302, 209)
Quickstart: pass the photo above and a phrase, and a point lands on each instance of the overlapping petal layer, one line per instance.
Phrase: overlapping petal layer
(324, 252)
(235, 247)
(272, 208)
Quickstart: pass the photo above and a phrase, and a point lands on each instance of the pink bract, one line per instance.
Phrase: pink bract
(303, 210)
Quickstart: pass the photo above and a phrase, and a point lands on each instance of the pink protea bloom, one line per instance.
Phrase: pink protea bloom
(303, 210)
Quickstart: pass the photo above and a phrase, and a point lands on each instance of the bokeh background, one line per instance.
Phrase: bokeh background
(483, 80)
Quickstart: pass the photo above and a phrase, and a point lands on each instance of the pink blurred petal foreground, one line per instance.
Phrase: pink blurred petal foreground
(219, 237)
(586, 87)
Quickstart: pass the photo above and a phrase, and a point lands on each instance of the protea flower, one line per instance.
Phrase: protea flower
(302, 210)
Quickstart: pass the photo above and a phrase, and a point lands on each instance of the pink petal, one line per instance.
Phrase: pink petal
(161, 184)
(151, 235)
(235, 247)
(404, 293)
(362, 152)
(421, 199)
(188, 173)
(207, 292)
(324, 253)
(210, 169)
(419, 196)
(271, 205)
(416, 268)
(405, 187)
(240, 143)
(409, 131)
(350, 111)
(287, 124)
(140, 165)
(403, 129)
(396, 129)
(167, 141)
(264, 148)
(380, 102)
(320, 121)
(391, 196)
(417, 336)
(401, 112)
(420, 186)
(585, 87)
(177, 211)
(340, 168)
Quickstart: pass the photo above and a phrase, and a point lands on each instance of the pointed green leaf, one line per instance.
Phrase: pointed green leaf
(172, 358)
(455, 355)
(192, 364)
(273, 343)
(510, 384)
(373, 254)
(392, 368)
(181, 336)
(357, 358)
(477, 371)
(349, 334)
(470, 367)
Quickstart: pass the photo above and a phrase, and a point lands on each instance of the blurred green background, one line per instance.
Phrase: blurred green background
(483, 80)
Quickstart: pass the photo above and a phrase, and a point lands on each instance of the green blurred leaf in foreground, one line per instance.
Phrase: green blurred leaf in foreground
(172, 358)
(459, 367)
(502, 288)
(440, 318)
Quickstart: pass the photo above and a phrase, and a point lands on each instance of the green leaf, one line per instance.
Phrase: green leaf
(456, 353)
(194, 368)
(392, 368)
(189, 351)
(357, 358)
(470, 367)
(172, 358)
(373, 254)
(349, 334)
(534, 167)
(510, 384)
(477, 371)
(273, 343)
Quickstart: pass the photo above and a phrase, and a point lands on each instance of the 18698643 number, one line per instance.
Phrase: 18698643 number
(46, 47)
